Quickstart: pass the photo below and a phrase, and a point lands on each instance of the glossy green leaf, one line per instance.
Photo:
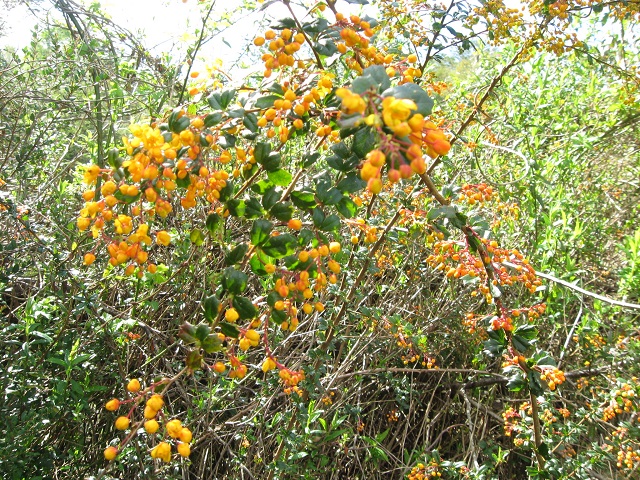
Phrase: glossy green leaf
(304, 200)
(260, 231)
(236, 255)
(229, 329)
(210, 306)
(234, 281)
(197, 237)
(280, 177)
(244, 307)
(213, 222)
(282, 211)
(280, 246)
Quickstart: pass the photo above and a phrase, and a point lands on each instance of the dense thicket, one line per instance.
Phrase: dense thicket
(259, 264)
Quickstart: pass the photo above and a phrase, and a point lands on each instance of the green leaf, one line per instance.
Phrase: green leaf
(543, 358)
(310, 158)
(283, 211)
(363, 141)
(181, 124)
(329, 197)
(493, 348)
(326, 47)
(194, 360)
(271, 197)
(411, 91)
(445, 211)
(258, 261)
(250, 121)
(236, 207)
(284, 23)
(210, 306)
(212, 119)
(261, 151)
(278, 316)
(126, 199)
(245, 307)
(318, 216)
(237, 254)
(236, 112)
(262, 186)
(330, 223)
(234, 281)
(306, 236)
(182, 182)
(197, 237)
(214, 101)
(516, 383)
(272, 162)
(343, 164)
(535, 385)
(280, 177)
(260, 231)
(372, 78)
(202, 331)
(347, 207)
(280, 246)
(317, 25)
(226, 192)
(530, 332)
(341, 150)
(229, 330)
(253, 209)
(267, 101)
(187, 334)
(213, 221)
(272, 298)
(520, 343)
(543, 449)
(351, 183)
(226, 97)
(212, 344)
(497, 342)
(304, 200)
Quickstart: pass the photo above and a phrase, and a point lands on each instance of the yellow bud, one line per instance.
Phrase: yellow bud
(151, 426)
(122, 423)
(134, 385)
(110, 453)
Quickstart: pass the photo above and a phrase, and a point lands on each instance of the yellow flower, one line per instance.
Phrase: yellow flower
(184, 450)
(268, 364)
(185, 435)
(162, 451)
(163, 238)
(351, 102)
(91, 174)
(173, 428)
(123, 224)
(155, 402)
(396, 110)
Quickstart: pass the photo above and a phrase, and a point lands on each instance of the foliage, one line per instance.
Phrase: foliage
(333, 268)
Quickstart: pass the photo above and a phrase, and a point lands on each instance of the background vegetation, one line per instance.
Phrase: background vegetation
(401, 376)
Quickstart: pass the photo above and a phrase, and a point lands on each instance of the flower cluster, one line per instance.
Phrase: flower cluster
(174, 431)
(403, 133)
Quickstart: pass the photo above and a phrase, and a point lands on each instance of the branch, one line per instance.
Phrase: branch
(571, 286)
